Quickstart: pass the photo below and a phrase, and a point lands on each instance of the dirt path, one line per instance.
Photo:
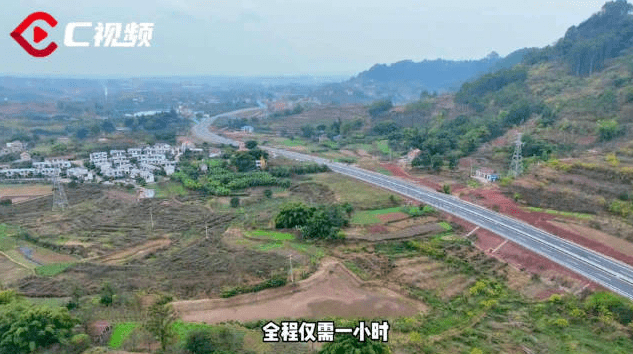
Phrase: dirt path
(331, 291)
(133, 252)
(16, 262)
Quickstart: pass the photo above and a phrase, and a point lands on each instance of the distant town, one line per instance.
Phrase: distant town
(134, 165)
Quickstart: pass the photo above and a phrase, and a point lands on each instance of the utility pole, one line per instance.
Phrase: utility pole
(516, 165)
(151, 217)
(471, 167)
(292, 277)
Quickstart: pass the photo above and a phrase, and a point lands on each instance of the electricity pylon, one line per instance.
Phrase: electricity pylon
(60, 201)
(516, 165)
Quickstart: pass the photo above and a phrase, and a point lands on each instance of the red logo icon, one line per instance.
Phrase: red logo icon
(38, 34)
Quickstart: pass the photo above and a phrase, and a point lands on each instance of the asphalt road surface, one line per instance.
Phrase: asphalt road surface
(603, 270)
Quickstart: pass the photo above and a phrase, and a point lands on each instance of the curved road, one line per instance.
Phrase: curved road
(603, 270)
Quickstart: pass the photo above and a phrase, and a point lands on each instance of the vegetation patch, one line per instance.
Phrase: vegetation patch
(563, 213)
(383, 146)
(120, 333)
(51, 270)
(271, 235)
(446, 226)
(274, 282)
(269, 246)
(368, 217)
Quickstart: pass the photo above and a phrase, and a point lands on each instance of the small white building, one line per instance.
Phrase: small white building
(487, 174)
(147, 176)
(80, 173)
(214, 152)
(98, 158)
(134, 152)
(169, 169)
(58, 162)
(117, 153)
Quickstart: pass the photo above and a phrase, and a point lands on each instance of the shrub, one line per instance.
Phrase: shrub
(612, 160)
(235, 202)
(7, 296)
(199, 342)
(620, 207)
(609, 129)
(556, 299)
(506, 181)
(107, 294)
(561, 323)
(268, 193)
(80, 342)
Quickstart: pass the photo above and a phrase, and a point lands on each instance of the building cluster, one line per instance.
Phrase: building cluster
(48, 168)
(136, 162)
(143, 162)
(12, 147)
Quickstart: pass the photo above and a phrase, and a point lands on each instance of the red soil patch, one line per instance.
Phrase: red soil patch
(514, 254)
(392, 217)
(494, 198)
(397, 171)
(377, 229)
(534, 263)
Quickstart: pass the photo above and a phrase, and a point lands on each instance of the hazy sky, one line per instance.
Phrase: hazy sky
(286, 37)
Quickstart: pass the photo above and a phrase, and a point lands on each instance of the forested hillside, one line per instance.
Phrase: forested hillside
(573, 104)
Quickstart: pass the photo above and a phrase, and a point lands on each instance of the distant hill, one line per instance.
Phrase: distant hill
(438, 74)
(405, 80)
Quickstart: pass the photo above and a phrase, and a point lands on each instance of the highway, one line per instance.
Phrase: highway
(608, 272)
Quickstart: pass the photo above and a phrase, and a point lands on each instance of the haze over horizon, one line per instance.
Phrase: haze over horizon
(258, 38)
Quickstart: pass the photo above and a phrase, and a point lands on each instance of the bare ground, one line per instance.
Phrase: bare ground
(135, 252)
(12, 272)
(331, 291)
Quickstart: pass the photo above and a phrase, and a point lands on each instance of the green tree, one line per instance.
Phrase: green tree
(235, 202)
(436, 162)
(379, 107)
(200, 342)
(95, 129)
(446, 188)
(423, 160)
(82, 133)
(344, 344)
(243, 161)
(108, 127)
(325, 222)
(307, 131)
(293, 214)
(251, 144)
(107, 294)
(452, 161)
(25, 327)
(59, 148)
(268, 193)
(160, 321)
